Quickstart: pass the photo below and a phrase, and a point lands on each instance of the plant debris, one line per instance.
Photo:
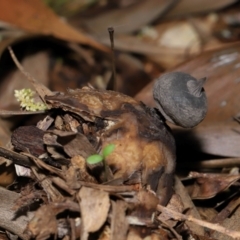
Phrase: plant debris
(87, 121)
(83, 162)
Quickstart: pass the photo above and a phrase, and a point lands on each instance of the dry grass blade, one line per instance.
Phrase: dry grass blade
(40, 88)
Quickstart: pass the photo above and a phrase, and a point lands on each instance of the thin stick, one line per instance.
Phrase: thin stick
(39, 87)
(16, 157)
(216, 227)
(111, 35)
(7, 113)
(212, 163)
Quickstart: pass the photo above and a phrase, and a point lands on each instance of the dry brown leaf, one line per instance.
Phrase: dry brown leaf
(208, 185)
(94, 206)
(145, 208)
(174, 204)
(43, 224)
(219, 139)
(185, 7)
(131, 18)
(188, 204)
(35, 17)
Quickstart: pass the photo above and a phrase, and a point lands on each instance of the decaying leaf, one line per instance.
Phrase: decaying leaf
(144, 210)
(188, 204)
(43, 224)
(174, 204)
(35, 17)
(94, 206)
(139, 14)
(208, 185)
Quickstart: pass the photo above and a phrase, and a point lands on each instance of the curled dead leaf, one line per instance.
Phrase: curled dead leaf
(208, 185)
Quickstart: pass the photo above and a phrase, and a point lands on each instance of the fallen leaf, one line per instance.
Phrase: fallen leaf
(35, 17)
(186, 7)
(208, 185)
(217, 139)
(43, 224)
(188, 204)
(94, 206)
(130, 18)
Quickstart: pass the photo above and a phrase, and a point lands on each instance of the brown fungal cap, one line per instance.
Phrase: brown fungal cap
(144, 148)
(181, 98)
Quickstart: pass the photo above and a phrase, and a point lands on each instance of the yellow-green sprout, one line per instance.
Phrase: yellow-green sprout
(26, 99)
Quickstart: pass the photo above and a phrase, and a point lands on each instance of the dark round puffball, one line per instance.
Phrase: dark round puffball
(181, 98)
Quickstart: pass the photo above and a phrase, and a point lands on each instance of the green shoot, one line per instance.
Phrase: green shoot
(108, 150)
(97, 158)
(94, 159)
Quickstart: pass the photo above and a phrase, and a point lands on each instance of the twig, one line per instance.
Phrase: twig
(42, 165)
(7, 113)
(213, 163)
(181, 217)
(40, 88)
(114, 79)
(16, 157)
(178, 237)
(109, 188)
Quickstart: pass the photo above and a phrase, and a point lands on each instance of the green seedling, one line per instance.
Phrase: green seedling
(97, 158)
(94, 159)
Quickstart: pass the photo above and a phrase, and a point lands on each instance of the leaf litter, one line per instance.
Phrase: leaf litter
(106, 121)
(49, 157)
(75, 129)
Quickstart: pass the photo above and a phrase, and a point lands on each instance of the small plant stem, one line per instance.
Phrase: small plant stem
(108, 174)
(111, 35)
